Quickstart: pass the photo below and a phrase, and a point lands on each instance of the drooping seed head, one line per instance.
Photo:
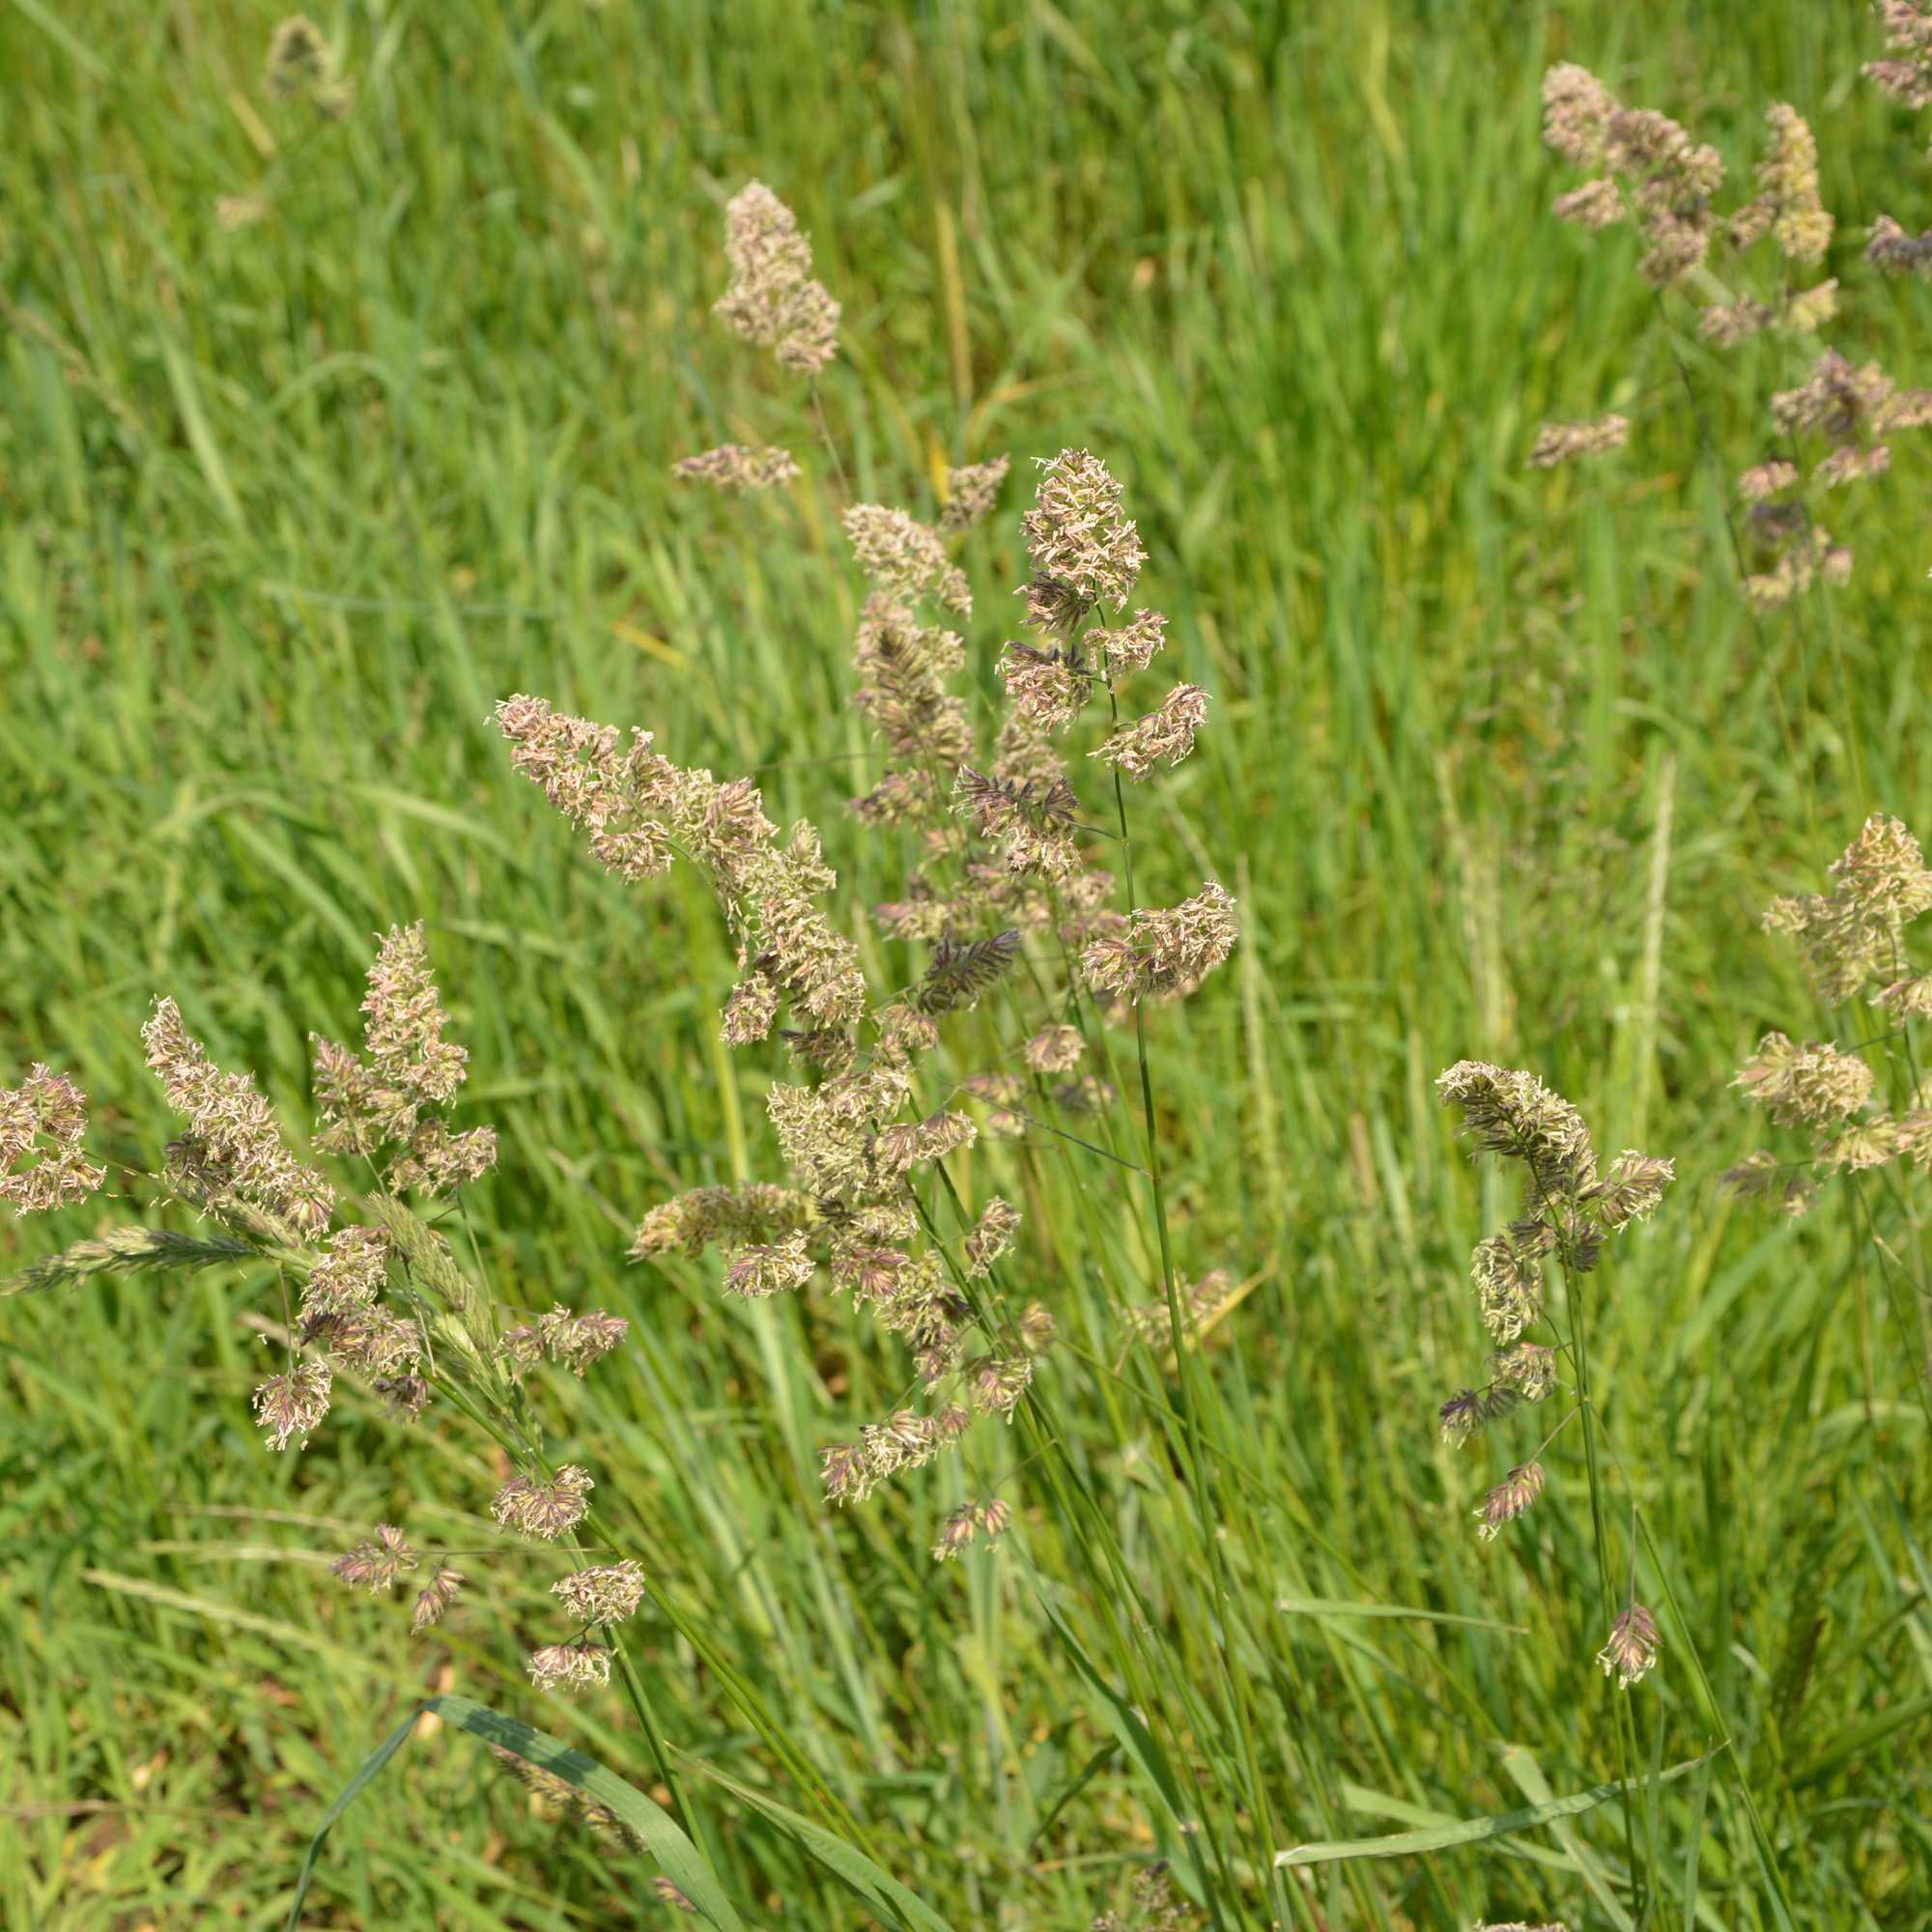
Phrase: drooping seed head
(435, 1598)
(1509, 1499)
(1630, 1652)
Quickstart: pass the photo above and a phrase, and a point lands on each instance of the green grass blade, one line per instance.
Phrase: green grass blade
(344, 1798)
(866, 1876)
(1468, 1831)
(1529, 1780)
(1136, 1740)
(1343, 1607)
(653, 1827)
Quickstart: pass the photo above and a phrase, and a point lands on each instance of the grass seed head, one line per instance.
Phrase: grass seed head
(45, 1117)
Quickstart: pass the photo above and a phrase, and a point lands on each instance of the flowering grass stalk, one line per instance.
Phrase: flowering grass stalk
(1648, 173)
(868, 1115)
(1002, 839)
(1571, 1209)
(1864, 1108)
(383, 1304)
(1404, 724)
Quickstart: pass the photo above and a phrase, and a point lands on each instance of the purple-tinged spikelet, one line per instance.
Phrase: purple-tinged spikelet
(236, 1147)
(962, 970)
(1164, 955)
(1163, 737)
(1787, 207)
(1641, 160)
(1907, 73)
(1076, 534)
(1567, 442)
(1630, 1652)
(576, 1341)
(349, 1275)
(968, 1523)
(1631, 1189)
(376, 1561)
(1514, 1116)
(433, 1599)
(904, 557)
(410, 1069)
(405, 1020)
(405, 1395)
(1129, 646)
(1460, 1416)
(732, 466)
(1527, 1371)
(1813, 1085)
(992, 1237)
(290, 1406)
(1762, 1176)
(769, 1267)
(1894, 251)
(544, 1509)
(1055, 1049)
(1509, 1499)
(970, 492)
(707, 1216)
(1048, 688)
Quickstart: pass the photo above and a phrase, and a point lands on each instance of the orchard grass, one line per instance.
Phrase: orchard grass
(339, 411)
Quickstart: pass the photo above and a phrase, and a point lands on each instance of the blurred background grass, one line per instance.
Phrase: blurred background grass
(317, 438)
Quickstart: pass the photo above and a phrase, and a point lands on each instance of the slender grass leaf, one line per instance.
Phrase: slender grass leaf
(1342, 1607)
(76, 49)
(866, 1876)
(1528, 1776)
(1860, 1738)
(649, 1823)
(1136, 1740)
(1467, 1830)
(200, 435)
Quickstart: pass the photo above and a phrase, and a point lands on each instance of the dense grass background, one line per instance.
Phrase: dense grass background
(1499, 767)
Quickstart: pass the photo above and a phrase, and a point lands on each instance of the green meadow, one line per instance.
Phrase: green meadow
(319, 436)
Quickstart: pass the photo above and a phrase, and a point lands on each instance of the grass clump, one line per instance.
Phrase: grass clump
(336, 421)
